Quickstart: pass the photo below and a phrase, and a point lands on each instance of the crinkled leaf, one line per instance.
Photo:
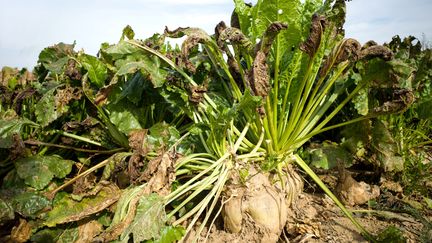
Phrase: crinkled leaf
(163, 135)
(128, 33)
(48, 110)
(57, 66)
(29, 204)
(37, 171)
(6, 211)
(97, 70)
(150, 67)
(54, 58)
(149, 219)
(68, 210)
(385, 147)
(361, 102)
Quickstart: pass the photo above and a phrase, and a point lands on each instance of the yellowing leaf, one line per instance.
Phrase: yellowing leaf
(68, 210)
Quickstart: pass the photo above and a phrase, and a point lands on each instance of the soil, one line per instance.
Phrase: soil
(315, 219)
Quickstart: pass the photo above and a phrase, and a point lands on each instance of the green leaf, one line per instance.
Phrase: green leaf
(48, 110)
(169, 234)
(121, 49)
(128, 33)
(59, 235)
(243, 12)
(391, 234)
(37, 171)
(162, 135)
(424, 109)
(125, 117)
(29, 204)
(385, 147)
(290, 12)
(149, 219)
(6, 211)
(68, 210)
(97, 70)
(326, 156)
(134, 88)
(10, 127)
(150, 67)
(54, 58)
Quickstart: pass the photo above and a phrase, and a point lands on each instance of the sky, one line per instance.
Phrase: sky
(28, 26)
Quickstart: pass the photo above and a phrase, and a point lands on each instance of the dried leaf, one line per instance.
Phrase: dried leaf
(88, 230)
(22, 232)
(377, 51)
(311, 45)
(349, 49)
(197, 93)
(235, 36)
(269, 35)
(138, 141)
(258, 77)
(195, 36)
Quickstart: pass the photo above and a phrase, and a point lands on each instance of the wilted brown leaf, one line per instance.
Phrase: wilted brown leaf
(87, 230)
(258, 77)
(197, 93)
(269, 36)
(377, 51)
(311, 45)
(22, 232)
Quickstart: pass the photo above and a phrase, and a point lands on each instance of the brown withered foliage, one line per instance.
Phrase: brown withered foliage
(72, 70)
(102, 95)
(86, 124)
(64, 96)
(22, 232)
(259, 79)
(233, 65)
(160, 174)
(188, 44)
(84, 184)
(401, 100)
(137, 142)
(377, 51)
(349, 50)
(311, 45)
(20, 97)
(18, 147)
(235, 36)
(195, 36)
(369, 44)
(268, 37)
(197, 93)
(220, 27)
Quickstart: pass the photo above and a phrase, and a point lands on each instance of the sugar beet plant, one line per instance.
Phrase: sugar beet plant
(173, 136)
